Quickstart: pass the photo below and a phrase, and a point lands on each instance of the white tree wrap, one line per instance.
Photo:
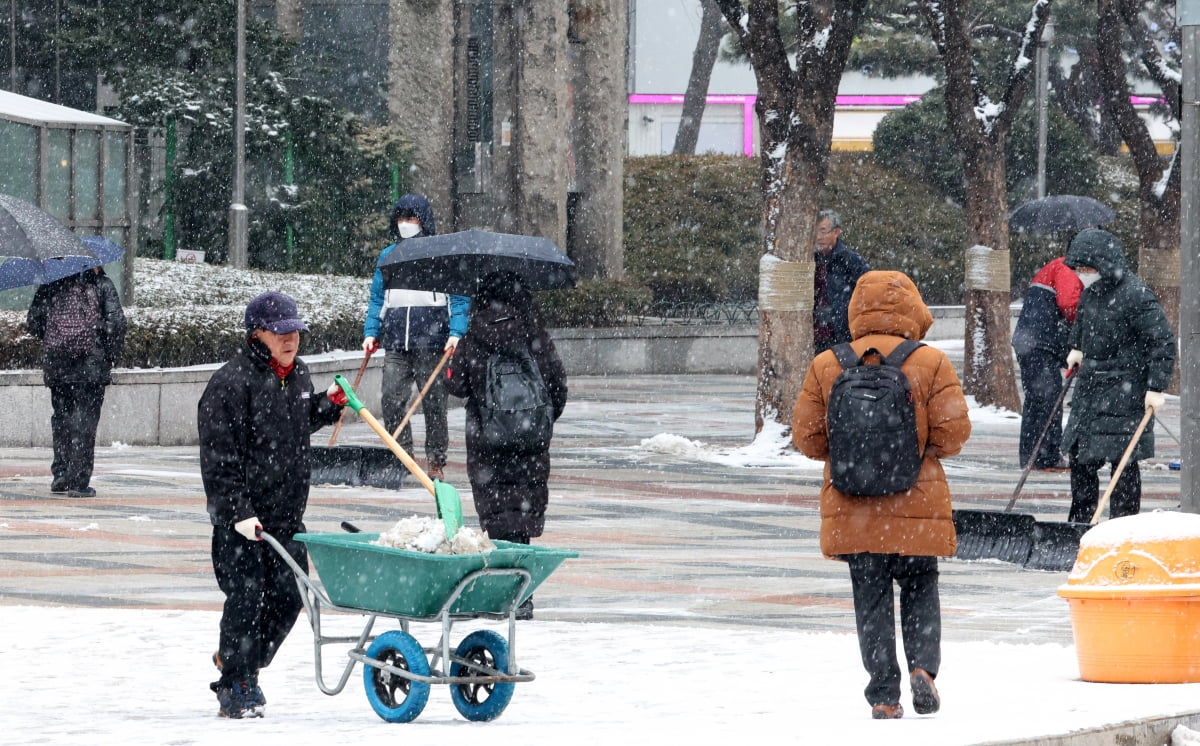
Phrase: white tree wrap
(987, 269)
(784, 286)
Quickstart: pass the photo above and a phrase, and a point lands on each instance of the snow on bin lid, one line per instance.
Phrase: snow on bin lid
(1150, 554)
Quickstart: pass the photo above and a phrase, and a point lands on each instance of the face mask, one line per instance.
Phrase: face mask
(408, 230)
(1087, 278)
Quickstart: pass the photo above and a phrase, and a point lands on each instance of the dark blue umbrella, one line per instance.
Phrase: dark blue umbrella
(35, 248)
(457, 262)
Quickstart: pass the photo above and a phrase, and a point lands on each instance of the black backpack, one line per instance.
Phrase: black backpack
(873, 446)
(73, 321)
(515, 414)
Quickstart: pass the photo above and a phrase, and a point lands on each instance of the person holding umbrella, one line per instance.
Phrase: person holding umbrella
(508, 481)
(415, 327)
(1125, 350)
(81, 325)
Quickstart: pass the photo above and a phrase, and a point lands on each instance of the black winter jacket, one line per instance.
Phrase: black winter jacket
(509, 489)
(96, 366)
(841, 275)
(1128, 348)
(254, 441)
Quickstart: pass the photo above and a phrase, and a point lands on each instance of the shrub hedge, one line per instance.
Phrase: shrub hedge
(691, 235)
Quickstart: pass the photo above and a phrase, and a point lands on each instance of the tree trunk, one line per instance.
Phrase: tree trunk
(795, 111)
(1158, 256)
(712, 29)
(598, 131)
(988, 371)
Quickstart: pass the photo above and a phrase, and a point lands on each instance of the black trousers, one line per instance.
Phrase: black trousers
(871, 578)
(73, 426)
(1041, 383)
(1126, 497)
(262, 601)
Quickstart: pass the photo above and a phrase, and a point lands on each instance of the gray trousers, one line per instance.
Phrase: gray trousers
(404, 374)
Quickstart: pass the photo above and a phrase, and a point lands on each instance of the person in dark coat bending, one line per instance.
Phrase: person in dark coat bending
(255, 418)
(509, 488)
(1041, 343)
(1125, 350)
(77, 370)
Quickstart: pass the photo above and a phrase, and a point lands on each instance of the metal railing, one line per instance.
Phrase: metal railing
(700, 313)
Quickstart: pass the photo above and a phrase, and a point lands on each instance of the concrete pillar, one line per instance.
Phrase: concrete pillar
(599, 128)
(420, 95)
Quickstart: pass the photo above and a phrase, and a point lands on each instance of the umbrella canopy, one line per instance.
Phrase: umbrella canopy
(457, 262)
(1061, 212)
(34, 242)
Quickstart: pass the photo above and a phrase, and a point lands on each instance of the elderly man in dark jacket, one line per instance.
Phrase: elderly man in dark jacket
(1125, 348)
(837, 270)
(82, 328)
(255, 418)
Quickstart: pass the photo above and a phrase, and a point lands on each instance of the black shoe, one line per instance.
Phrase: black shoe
(525, 610)
(254, 694)
(82, 492)
(235, 701)
(58, 485)
(924, 694)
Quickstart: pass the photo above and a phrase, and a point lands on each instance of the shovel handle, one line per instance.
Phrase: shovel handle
(409, 463)
(424, 390)
(1112, 483)
(1038, 446)
(357, 380)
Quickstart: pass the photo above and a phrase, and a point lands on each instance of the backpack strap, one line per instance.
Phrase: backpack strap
(846, 355)
(901, 353)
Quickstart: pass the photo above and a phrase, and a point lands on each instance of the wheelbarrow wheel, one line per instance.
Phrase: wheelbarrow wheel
(481, 702)
(395, 698)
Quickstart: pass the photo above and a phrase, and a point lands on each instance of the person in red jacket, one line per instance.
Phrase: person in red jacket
(1040, 341)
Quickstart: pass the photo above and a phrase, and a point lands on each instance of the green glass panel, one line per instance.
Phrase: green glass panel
(58, 173)
(114, 175)
(87, 174)
(18, 160)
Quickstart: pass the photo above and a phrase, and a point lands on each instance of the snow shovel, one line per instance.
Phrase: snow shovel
(1057, 544)
(424, 390)
(449, 505)
(1004, 535)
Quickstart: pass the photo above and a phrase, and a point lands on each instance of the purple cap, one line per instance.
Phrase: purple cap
(274, 312)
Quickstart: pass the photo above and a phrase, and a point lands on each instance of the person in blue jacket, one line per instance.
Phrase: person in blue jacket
(414, 327)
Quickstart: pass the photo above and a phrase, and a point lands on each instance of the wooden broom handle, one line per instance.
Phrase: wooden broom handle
(424, 390)
(357, 380)
(1112, 483)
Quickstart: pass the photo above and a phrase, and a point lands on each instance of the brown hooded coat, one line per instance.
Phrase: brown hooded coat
(885, 309)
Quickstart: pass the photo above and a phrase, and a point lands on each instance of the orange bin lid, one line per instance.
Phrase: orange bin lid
(1148, 555)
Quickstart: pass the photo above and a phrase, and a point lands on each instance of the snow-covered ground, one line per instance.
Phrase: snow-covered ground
(121, 676)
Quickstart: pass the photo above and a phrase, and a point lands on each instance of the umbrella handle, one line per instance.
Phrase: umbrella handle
(424, 390)
(1112, 483)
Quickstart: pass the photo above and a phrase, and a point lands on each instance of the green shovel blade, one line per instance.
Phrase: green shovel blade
(449, 507)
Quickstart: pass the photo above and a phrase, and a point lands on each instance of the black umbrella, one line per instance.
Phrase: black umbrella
(35, 246)
(456, 262)
(1061, 212)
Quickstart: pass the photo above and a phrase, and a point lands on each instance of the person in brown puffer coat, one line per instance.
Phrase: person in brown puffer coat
(894, 537)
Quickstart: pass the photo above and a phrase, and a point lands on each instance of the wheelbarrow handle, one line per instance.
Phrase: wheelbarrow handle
(1112, 483)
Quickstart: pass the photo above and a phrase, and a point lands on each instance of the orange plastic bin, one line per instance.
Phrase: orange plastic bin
(1134, 595)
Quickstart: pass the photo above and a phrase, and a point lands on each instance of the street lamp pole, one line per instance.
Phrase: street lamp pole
(237, 210)
(1043, 93)
(1188, 13)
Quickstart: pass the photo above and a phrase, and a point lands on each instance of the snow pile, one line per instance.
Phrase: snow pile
(423, 534)
(772, 447)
